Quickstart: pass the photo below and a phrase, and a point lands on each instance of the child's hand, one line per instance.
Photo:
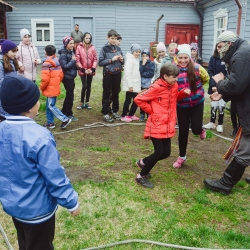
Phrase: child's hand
(216, 96)
(35, 62)
(76, 212)
(115, 58)
(144, 60)
(187, 91)
(21, 69)
(131, 89)
(120, 58)
(214, 89)
(74, 57)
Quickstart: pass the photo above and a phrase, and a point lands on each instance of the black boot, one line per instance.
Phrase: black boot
(248, 179)
(231, 176)
(234, 132)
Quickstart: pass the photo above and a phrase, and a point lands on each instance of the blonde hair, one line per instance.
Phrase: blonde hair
(172, 45)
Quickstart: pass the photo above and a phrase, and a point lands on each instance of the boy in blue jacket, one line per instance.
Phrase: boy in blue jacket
(147, 69)
(33, 182)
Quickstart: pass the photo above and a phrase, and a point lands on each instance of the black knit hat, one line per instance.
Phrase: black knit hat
(18, 94)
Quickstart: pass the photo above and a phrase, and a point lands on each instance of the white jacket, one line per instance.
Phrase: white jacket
(132, 76)
(26, 55)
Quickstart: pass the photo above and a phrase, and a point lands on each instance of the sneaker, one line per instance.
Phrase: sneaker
(142, 118)
(73, 118)
(116, 116)
(134, 118)
(65, 124)
(126, 119)
(219, 128)
(80, 106)
(179, 162)
(138, 164)
(107, 118)
(176, 126)
(210, 125)
(203, 134)
(87, 106)
(51, 125)
(142, 180)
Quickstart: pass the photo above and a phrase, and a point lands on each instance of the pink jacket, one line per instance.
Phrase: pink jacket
(86, 58)
(26, 56)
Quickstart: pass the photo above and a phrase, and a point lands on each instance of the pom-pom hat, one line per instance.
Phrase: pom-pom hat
(66, 40)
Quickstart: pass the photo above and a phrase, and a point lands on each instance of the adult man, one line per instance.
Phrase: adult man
(235, 52)
(77, 36)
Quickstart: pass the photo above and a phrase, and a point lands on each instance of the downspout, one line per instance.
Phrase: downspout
(201, 26)
(239, 17)
(157, 27)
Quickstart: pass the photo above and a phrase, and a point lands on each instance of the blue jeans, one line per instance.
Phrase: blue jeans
(52, 110)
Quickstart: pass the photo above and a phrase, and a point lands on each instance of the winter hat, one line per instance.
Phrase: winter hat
(66, 40)
(184, 49)
(194, 46)
(161, 47)
(7, 45)
(135, 47)
(145, 51)
(227, 36)
(18, 94)
(24, 32)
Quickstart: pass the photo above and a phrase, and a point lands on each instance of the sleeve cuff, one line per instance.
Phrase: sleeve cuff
(74, 208)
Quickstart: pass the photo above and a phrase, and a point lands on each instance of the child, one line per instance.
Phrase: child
(86, 60)
(171, 52)
(194, 53)
(215, 66)
(8, 66)
(67, 61)
(161, 55)
(119, 40)
(111, 59)
(27, 56)
(147, 68)
(50, 86)
(189, 110)
(33, 182)
(131, 83)
(157, 101)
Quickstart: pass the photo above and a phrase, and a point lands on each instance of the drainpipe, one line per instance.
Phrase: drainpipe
(201, 25)
(157, 27)
(239, 17)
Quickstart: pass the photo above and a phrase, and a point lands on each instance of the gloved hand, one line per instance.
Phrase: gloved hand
(82, 70)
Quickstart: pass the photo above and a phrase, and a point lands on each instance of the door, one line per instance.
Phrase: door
(85, 25)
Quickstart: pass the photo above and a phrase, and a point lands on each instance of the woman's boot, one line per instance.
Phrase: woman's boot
(231, 176)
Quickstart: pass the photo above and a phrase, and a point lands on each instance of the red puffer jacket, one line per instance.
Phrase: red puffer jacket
(159, 101)
(86, 58)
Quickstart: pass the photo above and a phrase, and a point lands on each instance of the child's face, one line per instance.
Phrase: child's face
(112, 40)
(70, 45)
(26, 39)
(12, 54)
(183, 60)
(87, 39)
(144, 57)
(136, 53)
(193, 53)
(171, 51)
(171, 79)
(162, 53)
(118, 42)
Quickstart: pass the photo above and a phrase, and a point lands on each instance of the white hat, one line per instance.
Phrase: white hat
(227, 36)
(184, 49)
(24, 32)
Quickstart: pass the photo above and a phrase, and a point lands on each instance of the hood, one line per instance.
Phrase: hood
(64, 51)
(129, 55)
(161, 82)
(52, 60)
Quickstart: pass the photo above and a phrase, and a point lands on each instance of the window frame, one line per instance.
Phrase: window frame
(34, 29)
(220, 14)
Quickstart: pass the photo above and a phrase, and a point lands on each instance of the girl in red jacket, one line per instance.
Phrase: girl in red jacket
(159, 101)
(86, 60)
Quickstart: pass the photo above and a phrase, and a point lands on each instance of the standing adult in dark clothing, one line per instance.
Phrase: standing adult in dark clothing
(235, 52)
(67, 61)
(234, 118)
(77, 36)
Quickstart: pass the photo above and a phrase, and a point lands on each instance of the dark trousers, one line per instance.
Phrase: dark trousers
(69, 85)
(162, 150)
(213, 116)
(35, 236)
(86, 87)
(234, 116)
(111, 88)
(187, 116)
(130, 96)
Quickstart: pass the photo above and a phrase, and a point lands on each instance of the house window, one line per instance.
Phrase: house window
(220, 23)
(42, 31)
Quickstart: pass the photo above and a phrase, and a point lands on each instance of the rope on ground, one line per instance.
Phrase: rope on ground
(6, 238)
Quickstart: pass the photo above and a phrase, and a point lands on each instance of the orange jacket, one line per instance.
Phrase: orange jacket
(52, 76)
(159, 101)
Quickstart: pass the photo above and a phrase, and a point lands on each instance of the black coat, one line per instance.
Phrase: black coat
(215, 66)
(67, 63)
(236, 86)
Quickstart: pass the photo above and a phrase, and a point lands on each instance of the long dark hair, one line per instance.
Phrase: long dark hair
(191, 76)
(216, 53)
(6, 62)
(169, 69)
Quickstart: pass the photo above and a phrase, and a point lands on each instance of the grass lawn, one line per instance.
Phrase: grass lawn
(100, 163)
